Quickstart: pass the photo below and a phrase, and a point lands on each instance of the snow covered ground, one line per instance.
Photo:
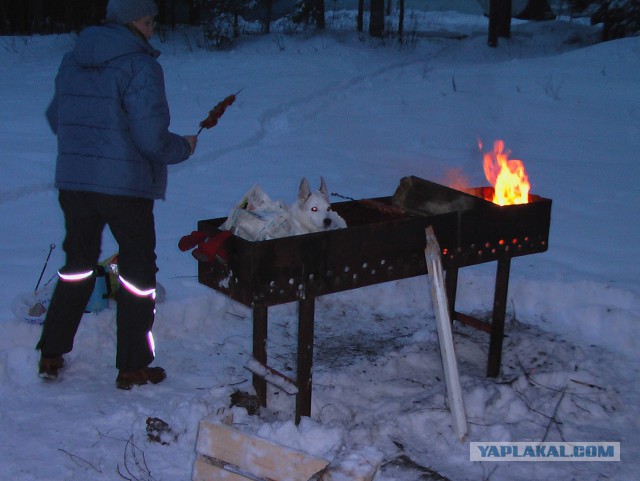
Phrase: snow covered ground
(362, 114)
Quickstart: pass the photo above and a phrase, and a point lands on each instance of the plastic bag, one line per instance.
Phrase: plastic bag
(256, 217)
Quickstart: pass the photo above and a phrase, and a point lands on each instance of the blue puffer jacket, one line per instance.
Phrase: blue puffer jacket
(111, 117)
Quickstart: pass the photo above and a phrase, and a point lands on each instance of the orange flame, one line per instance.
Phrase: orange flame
(508, 176)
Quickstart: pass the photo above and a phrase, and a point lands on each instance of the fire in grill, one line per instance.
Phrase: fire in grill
(384, 241)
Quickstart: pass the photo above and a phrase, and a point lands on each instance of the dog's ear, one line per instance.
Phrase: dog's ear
(305, 191)
(323, 188)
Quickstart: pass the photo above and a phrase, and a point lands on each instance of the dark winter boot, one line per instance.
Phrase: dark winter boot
(50, 366)
(127, 379)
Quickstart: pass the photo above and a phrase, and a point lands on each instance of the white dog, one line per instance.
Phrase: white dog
(311, 212)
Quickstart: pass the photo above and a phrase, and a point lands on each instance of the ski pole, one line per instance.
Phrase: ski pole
(51, 247)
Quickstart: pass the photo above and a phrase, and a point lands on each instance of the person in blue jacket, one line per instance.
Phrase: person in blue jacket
(111, 118)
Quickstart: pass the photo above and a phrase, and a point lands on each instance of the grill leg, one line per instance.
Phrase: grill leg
(260, 316)
(451, 286)
(306, 312)
(497, 324)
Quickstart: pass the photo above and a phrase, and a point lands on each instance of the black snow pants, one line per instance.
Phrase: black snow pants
(131, 222)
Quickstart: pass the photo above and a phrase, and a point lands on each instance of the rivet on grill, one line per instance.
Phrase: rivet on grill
(291, 281)
(346, 269)
(364, 265)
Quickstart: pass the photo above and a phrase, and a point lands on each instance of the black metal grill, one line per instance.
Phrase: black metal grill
(384, 241)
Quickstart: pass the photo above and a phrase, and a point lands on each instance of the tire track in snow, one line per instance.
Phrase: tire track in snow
(312, 102)
(24, 191)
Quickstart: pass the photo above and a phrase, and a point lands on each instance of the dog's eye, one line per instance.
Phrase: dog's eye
(314, 209)
(329, 209)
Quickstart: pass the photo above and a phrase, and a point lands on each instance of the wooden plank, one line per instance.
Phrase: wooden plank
(441, 309)
(205, 471)
(255, 455)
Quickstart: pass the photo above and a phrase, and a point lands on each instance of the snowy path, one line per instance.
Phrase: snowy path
(363, 116)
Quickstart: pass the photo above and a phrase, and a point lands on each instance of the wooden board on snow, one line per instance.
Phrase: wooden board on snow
(441, 308)
(224, 452)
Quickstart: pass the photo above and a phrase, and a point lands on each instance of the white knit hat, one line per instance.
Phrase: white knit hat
(125, 11)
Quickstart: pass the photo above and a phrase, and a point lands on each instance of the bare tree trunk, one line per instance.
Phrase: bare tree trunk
(360, 15)
(499, 21)
(4, 19)
(266, 21)
(320, 14)
(376, 18)
(401, 18)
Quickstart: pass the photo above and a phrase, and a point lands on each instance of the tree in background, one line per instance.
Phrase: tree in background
(360, 15)
(400, 18)
(221, 20)
(376, 18)
(309, 11)
(26, 17)
(619, 18)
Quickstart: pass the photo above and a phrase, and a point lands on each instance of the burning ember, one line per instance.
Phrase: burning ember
(508, 176)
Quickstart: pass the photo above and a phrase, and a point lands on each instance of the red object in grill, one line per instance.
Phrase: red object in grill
(384, 241)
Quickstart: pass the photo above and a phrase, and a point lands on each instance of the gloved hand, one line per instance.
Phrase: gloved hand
(212, 248)
(190, 241)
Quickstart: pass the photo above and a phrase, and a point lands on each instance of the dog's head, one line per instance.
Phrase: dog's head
(312, 210)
